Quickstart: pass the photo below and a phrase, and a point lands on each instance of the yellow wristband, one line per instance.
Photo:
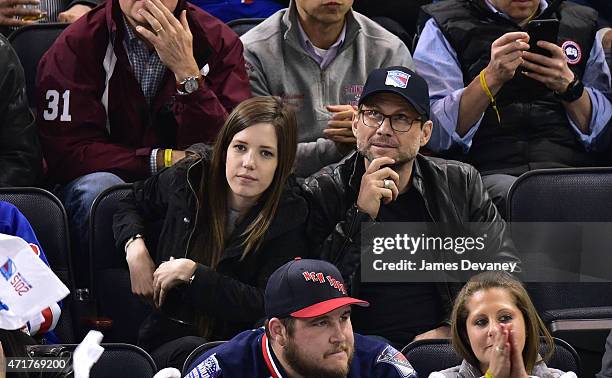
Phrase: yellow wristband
(489, 375)
(167, 157)
(485, 88)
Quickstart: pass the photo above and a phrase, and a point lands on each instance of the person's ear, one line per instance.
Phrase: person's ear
(426, 132)
(278, 332)
(355, 121)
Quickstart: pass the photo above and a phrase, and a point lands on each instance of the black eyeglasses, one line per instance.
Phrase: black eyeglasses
(398, 122)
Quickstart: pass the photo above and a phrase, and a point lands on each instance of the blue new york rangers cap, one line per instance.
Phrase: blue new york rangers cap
(305, 288)
(402, 82)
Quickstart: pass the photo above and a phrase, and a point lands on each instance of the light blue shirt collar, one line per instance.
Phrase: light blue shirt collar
(543, 6)
(332, 52)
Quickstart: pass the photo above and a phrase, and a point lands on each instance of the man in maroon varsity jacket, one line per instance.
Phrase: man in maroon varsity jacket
(126, 89)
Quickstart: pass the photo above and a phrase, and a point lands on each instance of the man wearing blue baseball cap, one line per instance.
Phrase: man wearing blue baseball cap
(387, 180)
(308, 333)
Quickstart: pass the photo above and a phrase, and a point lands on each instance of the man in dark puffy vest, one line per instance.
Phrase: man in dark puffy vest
(507, 110)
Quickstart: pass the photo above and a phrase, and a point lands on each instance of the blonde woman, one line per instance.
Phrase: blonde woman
(496, 329)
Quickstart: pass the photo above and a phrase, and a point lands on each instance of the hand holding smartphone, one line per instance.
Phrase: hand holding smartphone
(542, 30)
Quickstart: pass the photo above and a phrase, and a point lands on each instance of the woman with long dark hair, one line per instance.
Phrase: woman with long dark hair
(230, 216)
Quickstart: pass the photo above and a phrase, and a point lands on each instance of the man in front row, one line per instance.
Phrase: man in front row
(387, 180)
(308, 333)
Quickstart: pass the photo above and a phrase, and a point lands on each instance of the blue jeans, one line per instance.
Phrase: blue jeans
(77, 197)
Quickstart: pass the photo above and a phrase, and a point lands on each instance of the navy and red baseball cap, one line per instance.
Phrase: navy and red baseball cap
(304, 288)
(402, 82)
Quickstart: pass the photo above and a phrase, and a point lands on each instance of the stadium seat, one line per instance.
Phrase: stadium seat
(47, 217)
(196, 353)
(584, 193)
(427, 356)
(118, 360)
(111, 285)
(31, 42)
(577, 312)
(243, 25)
(396, 29)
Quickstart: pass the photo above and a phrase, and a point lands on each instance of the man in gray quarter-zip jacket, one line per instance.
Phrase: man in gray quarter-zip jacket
(317, 57)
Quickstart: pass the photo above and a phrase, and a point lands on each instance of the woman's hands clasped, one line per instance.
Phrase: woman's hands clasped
(170, 274)
(506, 356)
(152, 284)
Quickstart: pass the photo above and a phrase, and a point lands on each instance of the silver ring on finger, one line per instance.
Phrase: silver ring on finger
(160, 29)
(499, 349)
(387, 183)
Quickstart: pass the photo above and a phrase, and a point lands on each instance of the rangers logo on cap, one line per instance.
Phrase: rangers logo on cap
(572, 51)
(397, 79)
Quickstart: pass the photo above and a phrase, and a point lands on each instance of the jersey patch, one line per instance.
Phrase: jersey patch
(572, 51)
(209, 368)
(393, 357)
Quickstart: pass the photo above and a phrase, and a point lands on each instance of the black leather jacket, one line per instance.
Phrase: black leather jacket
(20, 154)
(231, 294)
(453, 193)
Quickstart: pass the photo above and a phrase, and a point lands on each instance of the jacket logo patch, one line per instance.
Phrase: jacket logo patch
(397, 79)
(572, 51)
(293, 101)
(249, 67)
(209, 368)
(352, 94)
(393, 357)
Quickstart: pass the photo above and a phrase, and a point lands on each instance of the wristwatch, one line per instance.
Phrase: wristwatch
(573, 91)
(189, 85)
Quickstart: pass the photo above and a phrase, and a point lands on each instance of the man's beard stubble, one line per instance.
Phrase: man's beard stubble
(401, 160)
(306, 368)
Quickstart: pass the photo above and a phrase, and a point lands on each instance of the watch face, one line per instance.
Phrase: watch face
(191, 85)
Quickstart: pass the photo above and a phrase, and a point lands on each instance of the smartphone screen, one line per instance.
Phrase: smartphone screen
(542, 30)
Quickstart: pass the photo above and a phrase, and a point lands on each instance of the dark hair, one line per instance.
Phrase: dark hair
(534, 327)
(214, 187)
